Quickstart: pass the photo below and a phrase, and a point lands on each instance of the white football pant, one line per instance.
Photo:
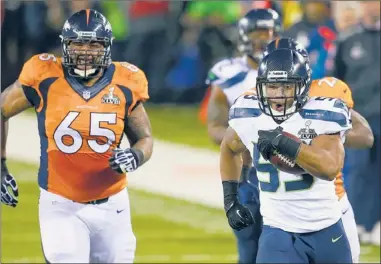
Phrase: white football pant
(84, 233)
(350, 228)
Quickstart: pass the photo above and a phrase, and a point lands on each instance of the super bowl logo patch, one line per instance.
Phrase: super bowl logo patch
(110, 98)
(307, 133)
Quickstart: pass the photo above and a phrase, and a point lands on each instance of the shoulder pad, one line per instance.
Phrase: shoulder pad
(350, 32)
(38, 68)
(328, 110)
(245, 106)
(227, 73)
(128, 76)
(332, 87)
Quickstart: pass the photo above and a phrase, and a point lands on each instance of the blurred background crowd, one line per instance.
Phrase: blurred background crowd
(176, 42)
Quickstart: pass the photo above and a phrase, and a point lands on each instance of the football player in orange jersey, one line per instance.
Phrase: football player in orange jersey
(84, 103)
(360, 136)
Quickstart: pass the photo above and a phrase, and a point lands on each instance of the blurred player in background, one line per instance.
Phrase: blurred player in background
(301, 212)
(84, 103)
(360, 136)
(229, 78)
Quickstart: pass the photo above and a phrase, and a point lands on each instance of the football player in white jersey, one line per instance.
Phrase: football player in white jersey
(301, 212)
(229, 78)
(360, 136)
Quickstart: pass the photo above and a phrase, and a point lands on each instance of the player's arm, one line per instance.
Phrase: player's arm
(232, 148)
(218, 113)
(361, 135)
(12, 102)
(139, 133)
(324, 158)
(247, 162)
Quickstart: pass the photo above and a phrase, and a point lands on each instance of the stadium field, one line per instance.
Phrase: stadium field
(167, 229)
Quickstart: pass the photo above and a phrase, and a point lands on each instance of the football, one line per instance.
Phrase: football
(284, 163)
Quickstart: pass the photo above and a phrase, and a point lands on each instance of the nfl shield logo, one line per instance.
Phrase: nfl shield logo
(86, 95)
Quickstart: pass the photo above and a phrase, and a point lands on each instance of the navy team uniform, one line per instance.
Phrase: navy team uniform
(323, 246)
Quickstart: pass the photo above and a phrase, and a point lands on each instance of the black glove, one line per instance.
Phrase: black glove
(239, 216)
(273, 140)
(8, 183)
(125, 160)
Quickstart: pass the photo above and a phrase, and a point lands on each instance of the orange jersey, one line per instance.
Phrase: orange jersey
(79, 126)
(334, 88)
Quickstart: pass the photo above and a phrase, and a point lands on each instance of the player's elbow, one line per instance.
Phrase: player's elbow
(327, 172)
(329, 168)
(332, 171)
(369, 139)
(333, 165)
(224, 145)
(216, 133)
(150, 147)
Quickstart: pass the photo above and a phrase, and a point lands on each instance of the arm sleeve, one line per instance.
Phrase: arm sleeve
(340, 120)
(28, 81)
(27, 76)
(141, 91)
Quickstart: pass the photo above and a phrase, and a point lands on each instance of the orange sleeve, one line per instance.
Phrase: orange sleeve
(34, 71)
(28, 76)
(136, 81)
(348, 99)
(140, 90)
(332, 87)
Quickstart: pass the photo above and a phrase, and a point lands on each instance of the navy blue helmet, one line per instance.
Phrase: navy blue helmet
(265, 20)
(282, 84)
(93, 29)
(288, 43)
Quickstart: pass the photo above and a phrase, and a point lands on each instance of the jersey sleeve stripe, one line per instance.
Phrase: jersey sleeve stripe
(32, 95)
(233, 80)
(244, 112)
(129, 98)
(325, 115)
(41, 117)
(44, 88)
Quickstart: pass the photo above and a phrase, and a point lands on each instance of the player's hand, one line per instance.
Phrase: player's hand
(267, 141)
(9, 188)
(124, 160)
(239, 216)
(275, 140)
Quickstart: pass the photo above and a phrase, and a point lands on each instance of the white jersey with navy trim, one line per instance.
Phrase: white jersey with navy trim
(234, 76)
(294, 203)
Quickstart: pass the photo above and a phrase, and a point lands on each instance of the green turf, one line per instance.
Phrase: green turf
(179, 124)
(167, 229)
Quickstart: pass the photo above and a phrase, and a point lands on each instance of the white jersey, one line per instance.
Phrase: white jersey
(234, 76)
(294, 203)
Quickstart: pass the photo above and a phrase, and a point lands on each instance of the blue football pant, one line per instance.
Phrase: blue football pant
(329, 245)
